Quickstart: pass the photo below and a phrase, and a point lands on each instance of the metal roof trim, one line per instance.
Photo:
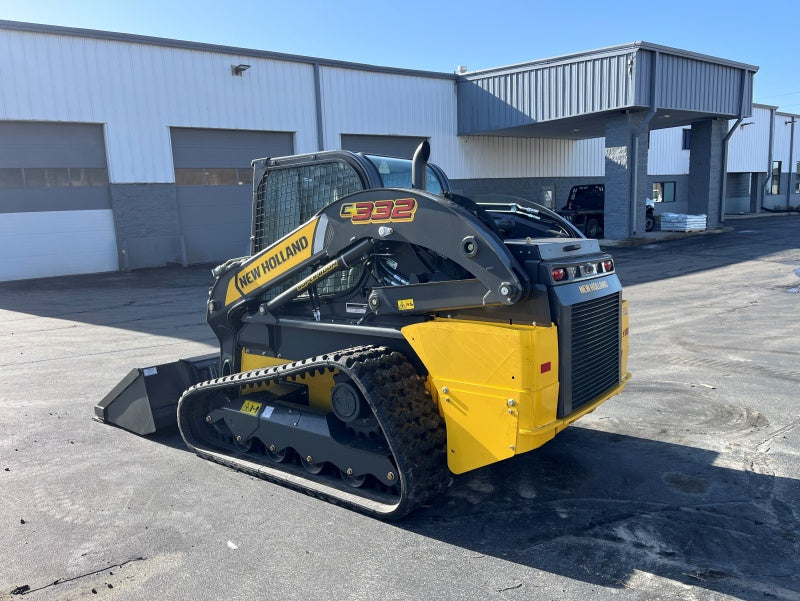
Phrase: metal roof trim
(604, 52)
(221, 49)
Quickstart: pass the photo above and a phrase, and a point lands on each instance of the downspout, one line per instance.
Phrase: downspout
(791, 162)
(768, 182)
(654, 89)
(723, 185)
(318, 107)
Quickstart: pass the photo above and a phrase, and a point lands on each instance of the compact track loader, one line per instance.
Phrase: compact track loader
(385, 330)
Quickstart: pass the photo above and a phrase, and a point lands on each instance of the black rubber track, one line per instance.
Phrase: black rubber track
(408, 418)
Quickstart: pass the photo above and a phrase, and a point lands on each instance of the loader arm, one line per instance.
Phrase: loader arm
(347, 231)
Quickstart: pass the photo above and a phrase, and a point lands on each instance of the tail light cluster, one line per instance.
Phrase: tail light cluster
(581, 271)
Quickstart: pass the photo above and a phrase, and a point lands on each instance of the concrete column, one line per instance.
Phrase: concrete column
(756, 190)
(620, 195)
(706, 168)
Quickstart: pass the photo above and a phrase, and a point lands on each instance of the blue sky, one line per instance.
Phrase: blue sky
(440, 35)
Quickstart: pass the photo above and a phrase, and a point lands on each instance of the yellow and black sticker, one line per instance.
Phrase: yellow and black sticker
(379, 211)
(250, 407)
(405, 304)
(272, 262)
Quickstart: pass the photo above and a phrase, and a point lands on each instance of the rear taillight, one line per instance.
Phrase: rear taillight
(608, 266)
(559, 274)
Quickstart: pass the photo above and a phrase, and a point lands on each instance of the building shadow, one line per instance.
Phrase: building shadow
(604, 508)
(614, 511)
(167, 301)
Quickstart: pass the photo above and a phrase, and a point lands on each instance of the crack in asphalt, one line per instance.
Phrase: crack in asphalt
(26, 590)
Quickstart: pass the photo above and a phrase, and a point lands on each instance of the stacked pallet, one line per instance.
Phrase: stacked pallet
(676, 222)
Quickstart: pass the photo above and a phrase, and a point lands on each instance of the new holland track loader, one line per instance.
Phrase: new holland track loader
(385, 330)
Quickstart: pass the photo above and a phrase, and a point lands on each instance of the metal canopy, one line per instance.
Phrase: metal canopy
(572, 96)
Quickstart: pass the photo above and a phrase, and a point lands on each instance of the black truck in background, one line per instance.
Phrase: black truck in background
(586, 206)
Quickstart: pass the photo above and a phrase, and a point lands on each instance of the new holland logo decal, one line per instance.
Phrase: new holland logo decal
(273, 262)
(379, 211)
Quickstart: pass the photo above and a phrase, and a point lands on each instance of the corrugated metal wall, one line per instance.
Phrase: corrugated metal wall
(140, 90)
(374, 103)
(783, 132)
(361, 102)
(665, 156)
(533, 93)
(602, 81)
(748, 148)
(692, 84)
(495, 157)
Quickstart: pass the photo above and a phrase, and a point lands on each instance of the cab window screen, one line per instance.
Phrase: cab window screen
(396, 173)
(288, 197)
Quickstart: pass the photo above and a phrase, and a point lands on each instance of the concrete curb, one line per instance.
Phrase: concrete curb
(656, 237)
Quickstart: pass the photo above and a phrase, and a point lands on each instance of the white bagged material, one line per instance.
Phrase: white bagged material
(677, 222)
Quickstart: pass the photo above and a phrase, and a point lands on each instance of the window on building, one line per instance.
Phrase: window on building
(776, 177)
(86, 177)
(664, 191)
(50, 177)
(10, 178)
(687, 139)
(213, 176)
(797, 178)
(53, 177)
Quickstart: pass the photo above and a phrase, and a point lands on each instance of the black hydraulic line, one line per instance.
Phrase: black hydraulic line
(347, 259)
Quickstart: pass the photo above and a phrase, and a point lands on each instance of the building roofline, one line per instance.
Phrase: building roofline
(221, 49)
(611, 50)
(764, 106)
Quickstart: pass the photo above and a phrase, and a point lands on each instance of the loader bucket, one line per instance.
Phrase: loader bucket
(146, 400)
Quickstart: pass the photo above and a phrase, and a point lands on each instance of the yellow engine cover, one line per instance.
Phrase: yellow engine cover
(497, 386)
(492, 381)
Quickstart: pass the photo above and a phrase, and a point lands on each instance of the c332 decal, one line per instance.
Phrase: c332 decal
(379, 211)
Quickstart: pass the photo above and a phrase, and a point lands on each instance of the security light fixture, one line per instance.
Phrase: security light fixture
(239, 69)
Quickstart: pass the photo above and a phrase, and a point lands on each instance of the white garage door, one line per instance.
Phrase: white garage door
(55, 206)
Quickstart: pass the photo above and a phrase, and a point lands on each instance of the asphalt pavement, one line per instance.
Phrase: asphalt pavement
(686, 486)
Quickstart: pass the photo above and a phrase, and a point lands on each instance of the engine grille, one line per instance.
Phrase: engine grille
(595, 350)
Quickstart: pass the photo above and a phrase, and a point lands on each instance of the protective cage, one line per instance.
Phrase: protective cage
(287, 197)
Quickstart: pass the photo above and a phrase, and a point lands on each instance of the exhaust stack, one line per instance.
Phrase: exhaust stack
(419, 165)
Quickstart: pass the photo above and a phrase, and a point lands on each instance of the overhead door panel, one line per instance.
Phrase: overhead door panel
(213, 179)
(55, 205)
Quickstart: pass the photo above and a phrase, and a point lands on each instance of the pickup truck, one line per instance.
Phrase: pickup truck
(585, 210)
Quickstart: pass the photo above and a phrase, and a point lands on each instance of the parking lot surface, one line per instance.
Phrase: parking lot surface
(686, 486)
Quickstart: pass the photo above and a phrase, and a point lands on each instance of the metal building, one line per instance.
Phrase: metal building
(121, 151)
